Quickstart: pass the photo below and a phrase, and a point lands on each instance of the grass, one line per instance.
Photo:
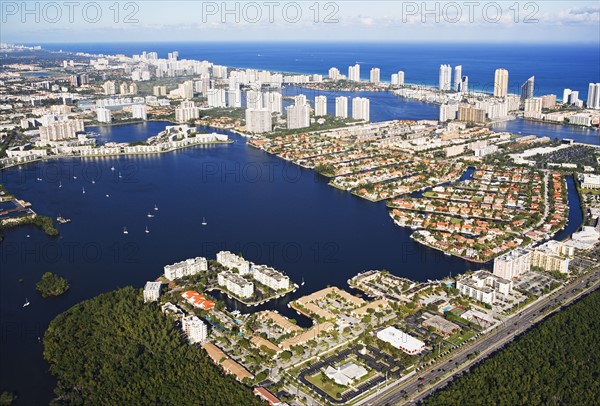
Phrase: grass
(458, 339)
(331, 388)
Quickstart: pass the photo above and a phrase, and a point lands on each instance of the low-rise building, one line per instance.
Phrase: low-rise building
(590, 181)
(270, 277)
(184, 268)
(152, 291)
(401, 340)
(198, 300)
(229, 260)
(441, 325)
(235, 284)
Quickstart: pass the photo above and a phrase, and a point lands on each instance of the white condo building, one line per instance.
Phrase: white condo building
(216, 98)
(361, 108)
(270, 277)
(445, 77)
(375, 75)
(230, 260)
(298, 116)
(341, 106)
(184, 268)
(103, 115)
(354, 73)
(273, 102)
(398, 78)
(235, 284)
(593, 100)
(234, 98)
(483, 285)
(254, 99)
(195, 329)
(139, 111)
(512, 264)
(320, 105)
(186, 111)
(258, 121)
(61, 130)
(334, 74)
(501, 83)
(457, 78)
(552, 256)
(152, 291)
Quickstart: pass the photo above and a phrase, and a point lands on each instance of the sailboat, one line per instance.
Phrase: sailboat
(83, 189)
(125, 230)
(204, 221)
(93, 182)
(156, 207)
(74, 177)
(150, 215)
(302, 284)
(147, 231)
(112, 168)
(26, 302)
(120, 176)
(59, 184)
(107, 195)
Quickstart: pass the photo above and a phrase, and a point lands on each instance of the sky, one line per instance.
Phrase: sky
(378, 20)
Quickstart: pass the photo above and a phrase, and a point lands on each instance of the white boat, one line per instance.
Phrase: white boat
(204, 221)
(112, 168)
(448, 254)
(156, 207)
(74, 177)
(107, 195)
(125, 230)
(120, 176)
(150, 215)
(39, 179)
(83, 190)
(302, 284)
(59, 184)
(26, 303)
(93, 182)
(147, 231)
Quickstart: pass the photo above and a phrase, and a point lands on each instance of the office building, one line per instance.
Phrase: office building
(194, 329)
(512, 264)
(593, 100)
(298, 116)
(445, 78)
(501, 83)
(258, 121)
(320, 105)
(341, 106)
(527, 88)
(186, 111)
(139, 111)
(152, 291)
(229, 260)
(235, 284)
(401, 340)
(361, 108)
(103, 115)
(188, 267)
(375, 75)
(354, 73)
(457, 78)
(270, 277)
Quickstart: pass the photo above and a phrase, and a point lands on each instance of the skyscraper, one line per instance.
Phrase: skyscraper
(398, 78)
(298, 116)
(258, 120)
(593, 100)
(320, 105)
(375, 72)
(361, 108)
(527, 88)
(341, 106)
(501, 83)
(566, 96)
(457, 78)
(445, 77)
(464, 85)
(334, 74)
(354, 73)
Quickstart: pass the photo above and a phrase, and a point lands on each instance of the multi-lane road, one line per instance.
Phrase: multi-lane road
(419, 386)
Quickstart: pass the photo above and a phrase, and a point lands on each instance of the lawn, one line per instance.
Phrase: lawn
(331, 388)
(458, 339)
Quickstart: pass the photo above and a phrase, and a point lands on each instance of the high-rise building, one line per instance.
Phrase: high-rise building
(320, 105)
(186, 111)
(445, 77)
(471, 114)
(398, 78)
(361, 108)
(501, 83)
(123, 88)
(300, 100)
(375, 73)
(457, 78)
(566, 96)
(533, 107)
(254, 99)
(273, 102)
(464, 84)
(194, 329)
(61, 130)
(593, 100)
(104, 115)
(354, 73)
(548, 101)
(133, 88)
(139, 111)
(514, 263)
(258, 120)
(298, 116)
(527, 88)
(341, 106)
(109, 88)
(234, 98)
(334, 74)
(159, 91)
(216, 98)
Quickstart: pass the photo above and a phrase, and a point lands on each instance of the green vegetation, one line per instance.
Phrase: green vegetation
(7, 398)
(44, 222)
(557, 362)
(52, 285)
(114, 349)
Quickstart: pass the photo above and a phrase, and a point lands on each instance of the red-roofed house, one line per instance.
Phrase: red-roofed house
(266, 396)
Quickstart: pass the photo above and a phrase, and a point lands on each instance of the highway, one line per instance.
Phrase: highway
(419, 387)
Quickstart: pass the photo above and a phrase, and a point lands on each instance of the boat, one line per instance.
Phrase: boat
(83, 189)
(204, 221)
(125, 230)
(156, 207)
(147, 231)
(447, 253)
(39, 179)
(26, 303)
(150, 215)
(120, 176)
(62, 220)
(302, 284)
(74, 177)
(107, 195)
(112, 168)
(93, 182)
(59, 184)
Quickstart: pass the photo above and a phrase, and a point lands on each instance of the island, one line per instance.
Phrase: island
(52, 285)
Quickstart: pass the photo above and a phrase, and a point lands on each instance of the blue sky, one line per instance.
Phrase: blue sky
(405, 21)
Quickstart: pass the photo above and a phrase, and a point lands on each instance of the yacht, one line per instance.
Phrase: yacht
(107, 195)
(302, 284)
(147, 231)
(93, 182)
(125, 230)
(156, 207)
(112, 168)
(74, 177)
(83, 190)
(120, 176)
(150, 215)
(204, 221)
(59, 184)
(26, 303)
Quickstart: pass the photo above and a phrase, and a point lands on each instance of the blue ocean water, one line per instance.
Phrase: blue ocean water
(555, 66)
